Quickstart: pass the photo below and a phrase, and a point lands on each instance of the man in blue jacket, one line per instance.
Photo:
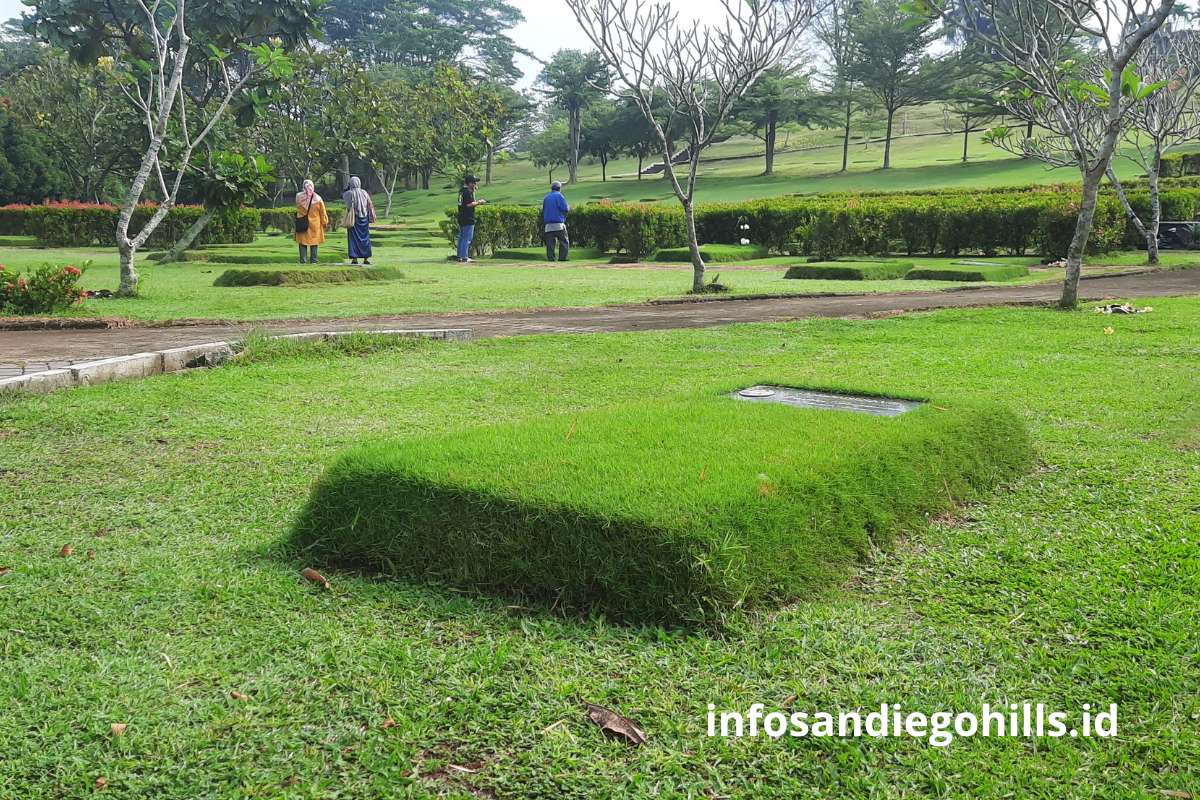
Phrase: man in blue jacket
(554, 220)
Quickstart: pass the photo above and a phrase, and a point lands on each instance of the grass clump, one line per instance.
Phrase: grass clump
(673, 512)
(300, 277)
(539, 253)
(963, 272)
(850, 270)
(713, 253)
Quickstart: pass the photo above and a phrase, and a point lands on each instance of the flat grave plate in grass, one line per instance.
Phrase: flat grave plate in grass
(830, 401)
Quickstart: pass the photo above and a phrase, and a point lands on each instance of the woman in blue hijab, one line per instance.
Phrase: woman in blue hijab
(360, 213)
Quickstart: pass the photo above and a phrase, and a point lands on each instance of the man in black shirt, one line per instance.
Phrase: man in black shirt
(466, 217)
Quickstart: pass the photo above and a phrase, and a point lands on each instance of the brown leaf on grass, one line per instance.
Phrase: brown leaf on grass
(66, 551)
(239, 696)
(312, 575)
(388, 723)
(571, 430)
(703, 473)
(787, 701)
(615, 724)
(5, 570)
(291, 781)
(101, 782)
(90, 555)
(1177, 794)
(118, 728)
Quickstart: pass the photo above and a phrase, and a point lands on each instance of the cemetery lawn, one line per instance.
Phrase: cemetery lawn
(1080, 583)
(431, 284)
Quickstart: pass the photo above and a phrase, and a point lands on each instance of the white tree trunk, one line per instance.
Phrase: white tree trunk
(189, 236)
(1083, 229)
(694, 245)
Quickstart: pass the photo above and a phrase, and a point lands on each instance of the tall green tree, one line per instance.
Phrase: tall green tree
(551, 147)
(890, 61)
(511, 124)
(832, 29)
(423, 33)
(83, 117)
(777, 98)
(574, 80)
(29, 172)
(600, 137)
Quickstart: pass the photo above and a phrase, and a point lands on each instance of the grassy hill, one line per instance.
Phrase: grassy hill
(807, 161)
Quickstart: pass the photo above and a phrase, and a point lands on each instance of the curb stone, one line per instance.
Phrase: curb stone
(175, 359)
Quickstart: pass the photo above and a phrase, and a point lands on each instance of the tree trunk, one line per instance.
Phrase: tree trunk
(887, 141)
(604, 169)
(1083, 229)
(1149, 234)
(390, 190)
(573, 164)
(487, 169)
(689, 215)
(640, 157)
(344, 173)
(966, 139)
(189, 236)
(846, 132)
(129, 276)
(769, 139)
(1155, 213)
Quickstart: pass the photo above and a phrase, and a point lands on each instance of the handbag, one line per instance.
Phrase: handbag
(349, 219)
(302, 222)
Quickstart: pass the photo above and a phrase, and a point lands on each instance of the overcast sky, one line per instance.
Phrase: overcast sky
(548, 26)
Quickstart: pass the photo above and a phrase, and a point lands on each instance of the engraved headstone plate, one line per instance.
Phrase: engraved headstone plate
(830, 401)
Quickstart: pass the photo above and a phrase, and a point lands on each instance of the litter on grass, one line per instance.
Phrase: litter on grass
(1122, 308)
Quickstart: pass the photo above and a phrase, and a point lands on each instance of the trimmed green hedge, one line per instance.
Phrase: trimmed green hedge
(851, 270)
(1036, 220)
(84, 225)
(666, 511)
(996, 272)
(298, 277)
(713, 253)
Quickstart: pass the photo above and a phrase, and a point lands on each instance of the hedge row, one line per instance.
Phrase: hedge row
(84, 225)
(1035, 220)
(1176, 165)
(850, 271)
(990, 272)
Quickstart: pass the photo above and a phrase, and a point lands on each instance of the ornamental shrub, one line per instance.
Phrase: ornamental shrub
(72, 224)
(47, 289)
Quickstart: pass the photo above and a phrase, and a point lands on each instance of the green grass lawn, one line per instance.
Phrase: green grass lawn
(433, 284)
(1078, 584)
(678, 510)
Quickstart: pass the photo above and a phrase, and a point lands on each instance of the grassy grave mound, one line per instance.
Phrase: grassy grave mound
(850, 270)
(299, 277)
(714, 253)
(968, 272)
(539, 254)
(673, 512)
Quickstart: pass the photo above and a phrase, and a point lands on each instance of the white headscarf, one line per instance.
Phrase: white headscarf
(309, 195)
(358, 198)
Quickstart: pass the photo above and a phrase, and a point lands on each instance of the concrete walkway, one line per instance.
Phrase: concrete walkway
(31, 351)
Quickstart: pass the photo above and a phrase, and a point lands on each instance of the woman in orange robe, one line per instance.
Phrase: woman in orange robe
(311, 222)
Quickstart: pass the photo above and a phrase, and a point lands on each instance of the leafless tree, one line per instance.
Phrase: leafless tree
(156, 93)
(1163, 120)
(1069, 63)
(699, 70)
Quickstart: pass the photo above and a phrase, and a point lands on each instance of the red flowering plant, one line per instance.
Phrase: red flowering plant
(47, 289)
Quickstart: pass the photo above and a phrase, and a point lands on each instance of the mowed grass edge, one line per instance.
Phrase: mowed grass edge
(670, 513)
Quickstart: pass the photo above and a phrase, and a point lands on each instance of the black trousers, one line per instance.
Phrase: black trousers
(564, 244)
(312, 253)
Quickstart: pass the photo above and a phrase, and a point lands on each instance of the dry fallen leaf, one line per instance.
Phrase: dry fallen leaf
(1108, 330)
(292, 781)
(1176, 793)
(703, 473)
(571, 431)
(457, 768)
(90, 555)
(314, 576)
(239, 696)
(101, 782)
(118, 728)
(615, 724)
(66, 550)
(5, 570)
(388, 723)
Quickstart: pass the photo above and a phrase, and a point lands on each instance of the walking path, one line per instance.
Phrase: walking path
(31, 351)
